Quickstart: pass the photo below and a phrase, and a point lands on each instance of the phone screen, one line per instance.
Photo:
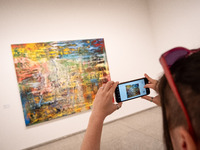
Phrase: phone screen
(132, 89)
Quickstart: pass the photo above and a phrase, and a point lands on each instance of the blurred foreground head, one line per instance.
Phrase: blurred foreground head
(186, 75)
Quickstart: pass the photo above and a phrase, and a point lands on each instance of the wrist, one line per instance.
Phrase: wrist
(97, 117)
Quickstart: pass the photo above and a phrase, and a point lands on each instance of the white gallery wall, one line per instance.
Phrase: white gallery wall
(128, 39)
(175, 23)
(136, 32)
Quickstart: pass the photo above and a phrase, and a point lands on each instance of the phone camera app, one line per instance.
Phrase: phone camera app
(132, 90)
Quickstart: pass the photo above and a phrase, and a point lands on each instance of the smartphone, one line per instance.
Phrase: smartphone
(131, 89)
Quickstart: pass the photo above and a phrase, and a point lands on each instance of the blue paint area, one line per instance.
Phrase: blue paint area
(26, 118)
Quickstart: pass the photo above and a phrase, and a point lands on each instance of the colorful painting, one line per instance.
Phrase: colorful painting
(132, 90)
(59, 78)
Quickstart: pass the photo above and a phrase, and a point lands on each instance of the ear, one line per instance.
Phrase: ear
(186, 140)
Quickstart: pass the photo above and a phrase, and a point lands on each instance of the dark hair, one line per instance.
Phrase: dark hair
(186, 75)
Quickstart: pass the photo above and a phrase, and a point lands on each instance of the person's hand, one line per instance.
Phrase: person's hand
(155, 99)
(103, 104)
(152, 85)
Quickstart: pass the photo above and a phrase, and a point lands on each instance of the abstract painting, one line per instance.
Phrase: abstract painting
(58, 79)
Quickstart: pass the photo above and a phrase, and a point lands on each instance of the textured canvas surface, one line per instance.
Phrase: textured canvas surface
(59, 78)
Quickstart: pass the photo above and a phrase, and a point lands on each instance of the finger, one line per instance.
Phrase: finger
(149, 78)
(117, 106)
(102, 87)
(147, 98)
(108, 85)
(149, 86)
(120, 104)
(155, 100)
(112, 89)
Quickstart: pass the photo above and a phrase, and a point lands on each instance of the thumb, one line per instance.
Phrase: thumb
(120, 104)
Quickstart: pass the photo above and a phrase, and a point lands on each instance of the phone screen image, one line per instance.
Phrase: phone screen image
(132, 89)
